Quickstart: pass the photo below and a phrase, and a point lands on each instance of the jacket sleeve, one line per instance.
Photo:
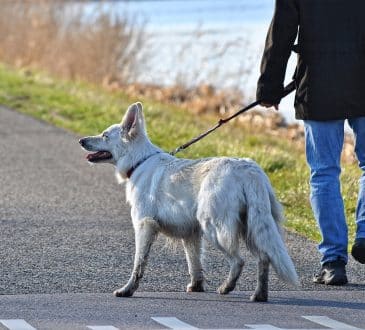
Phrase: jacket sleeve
(279, 42)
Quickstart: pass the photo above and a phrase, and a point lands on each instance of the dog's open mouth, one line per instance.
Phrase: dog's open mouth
(99, 156)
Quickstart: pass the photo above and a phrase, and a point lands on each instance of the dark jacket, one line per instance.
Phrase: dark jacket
(330, 74)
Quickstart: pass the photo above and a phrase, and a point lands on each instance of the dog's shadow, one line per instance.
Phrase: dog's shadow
(242, 298)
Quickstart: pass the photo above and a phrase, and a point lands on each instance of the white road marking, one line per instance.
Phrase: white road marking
(17, 325)
(332, 324)
(101, 327)
(173, 323)
(261, 326)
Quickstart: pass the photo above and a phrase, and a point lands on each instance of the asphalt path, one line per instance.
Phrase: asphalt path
(65, 227)
(152, 310)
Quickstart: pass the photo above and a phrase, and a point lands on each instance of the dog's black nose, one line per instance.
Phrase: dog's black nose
(82, 142)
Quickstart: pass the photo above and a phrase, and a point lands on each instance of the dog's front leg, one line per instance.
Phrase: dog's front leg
(145, 234)
(192, 247)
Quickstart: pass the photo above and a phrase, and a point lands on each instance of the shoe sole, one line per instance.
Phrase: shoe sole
(342, 281)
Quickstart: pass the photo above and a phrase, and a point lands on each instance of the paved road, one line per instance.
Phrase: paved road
(65, 227)
(285, 310)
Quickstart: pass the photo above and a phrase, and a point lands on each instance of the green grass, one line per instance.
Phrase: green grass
(86, 109)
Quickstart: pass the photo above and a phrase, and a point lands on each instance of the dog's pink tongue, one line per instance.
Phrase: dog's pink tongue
(100, 155)
(94, 155)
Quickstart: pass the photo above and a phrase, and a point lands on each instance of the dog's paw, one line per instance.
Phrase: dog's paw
(259, 297)
(196, 287)
(225, 289)
(123, 292)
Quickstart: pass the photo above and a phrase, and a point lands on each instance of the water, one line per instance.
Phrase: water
(216, 41)
(178, 13)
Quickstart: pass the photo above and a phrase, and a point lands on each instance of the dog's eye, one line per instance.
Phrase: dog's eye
(105, 136)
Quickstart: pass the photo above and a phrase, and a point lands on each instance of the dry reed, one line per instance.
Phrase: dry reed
(70, 40)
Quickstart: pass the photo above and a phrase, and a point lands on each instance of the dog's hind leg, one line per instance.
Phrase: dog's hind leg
(145, 233)
(227, 241)
(236, 265)
(192, 247)
(262, 288)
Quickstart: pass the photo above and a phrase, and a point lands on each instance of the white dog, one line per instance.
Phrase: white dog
(221, 199)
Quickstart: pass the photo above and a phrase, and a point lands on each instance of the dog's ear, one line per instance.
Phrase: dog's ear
(133, 121)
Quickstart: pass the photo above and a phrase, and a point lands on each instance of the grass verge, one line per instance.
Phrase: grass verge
(86, 109)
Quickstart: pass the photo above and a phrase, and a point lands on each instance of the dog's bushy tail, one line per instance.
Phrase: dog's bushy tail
(263, 236)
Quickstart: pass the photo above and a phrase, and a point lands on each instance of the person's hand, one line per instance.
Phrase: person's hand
(269, 105)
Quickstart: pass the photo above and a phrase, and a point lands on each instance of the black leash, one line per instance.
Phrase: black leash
(287, 90)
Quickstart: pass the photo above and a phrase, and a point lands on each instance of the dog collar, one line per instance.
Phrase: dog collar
(133, 168)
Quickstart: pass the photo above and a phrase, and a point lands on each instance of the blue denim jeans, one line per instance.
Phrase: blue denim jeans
(324, 141)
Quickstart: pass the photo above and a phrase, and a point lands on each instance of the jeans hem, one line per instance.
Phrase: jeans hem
(332, 259)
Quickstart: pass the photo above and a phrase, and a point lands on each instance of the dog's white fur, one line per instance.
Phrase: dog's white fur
(221, 199)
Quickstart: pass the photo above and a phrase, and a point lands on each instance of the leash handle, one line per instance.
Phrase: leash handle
(287, 90)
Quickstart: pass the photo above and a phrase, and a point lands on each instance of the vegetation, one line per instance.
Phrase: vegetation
(104, 44)
(71, 40)
(87, 109)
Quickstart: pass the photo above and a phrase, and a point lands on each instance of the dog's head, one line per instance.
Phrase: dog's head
(117, 140)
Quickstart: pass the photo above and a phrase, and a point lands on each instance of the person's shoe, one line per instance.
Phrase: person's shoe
(332, 273)
(358, 250)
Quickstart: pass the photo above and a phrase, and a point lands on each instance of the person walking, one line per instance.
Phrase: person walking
(330, 88)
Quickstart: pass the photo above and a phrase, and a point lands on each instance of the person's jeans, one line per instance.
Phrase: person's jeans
(324, 141)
